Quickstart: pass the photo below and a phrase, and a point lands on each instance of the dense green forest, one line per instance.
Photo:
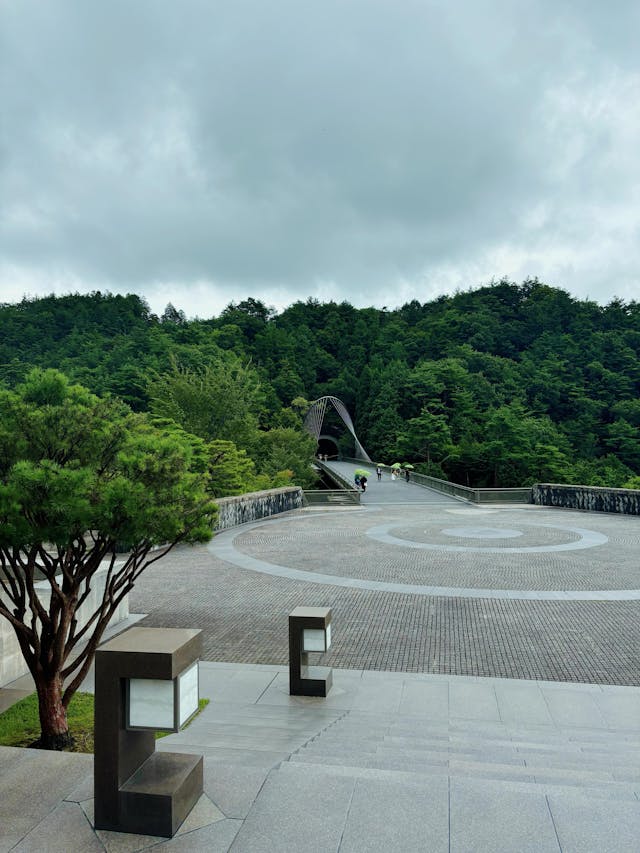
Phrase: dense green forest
(504, 385)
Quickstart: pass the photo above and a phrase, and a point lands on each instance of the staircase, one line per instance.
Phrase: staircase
(398, 763)
(376, 782)
(537, 759)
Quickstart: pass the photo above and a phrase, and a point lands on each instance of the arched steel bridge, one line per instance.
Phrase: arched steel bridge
(315, 417)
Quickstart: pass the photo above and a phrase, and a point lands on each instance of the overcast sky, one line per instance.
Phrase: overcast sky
(377, 151)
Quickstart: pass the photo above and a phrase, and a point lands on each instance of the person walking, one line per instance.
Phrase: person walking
(379, 473)
(407, 475)
(363, 483)
(357, 480)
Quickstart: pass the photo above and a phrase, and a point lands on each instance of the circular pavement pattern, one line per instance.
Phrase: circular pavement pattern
(481, 532)
(579, 538)
(296, 556)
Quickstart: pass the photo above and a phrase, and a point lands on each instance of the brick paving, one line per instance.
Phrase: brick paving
(341, 546)
(243, 613)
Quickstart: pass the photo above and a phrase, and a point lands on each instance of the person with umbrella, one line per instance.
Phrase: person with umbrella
(361, 478)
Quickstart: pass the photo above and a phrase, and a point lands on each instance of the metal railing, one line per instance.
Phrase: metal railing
(521, 495)
(517, 495)
(337, 478)
(445, 487)
(479, 496)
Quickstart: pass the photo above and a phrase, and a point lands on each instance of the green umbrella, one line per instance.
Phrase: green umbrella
(396, 465)
(362, 473)
(408, 465)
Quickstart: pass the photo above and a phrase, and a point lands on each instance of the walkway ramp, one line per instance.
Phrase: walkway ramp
(388, 491)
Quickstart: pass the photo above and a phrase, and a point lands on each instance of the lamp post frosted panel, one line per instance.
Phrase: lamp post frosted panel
(309, 632)
(162, 705)
(316, 639)
(150, 705)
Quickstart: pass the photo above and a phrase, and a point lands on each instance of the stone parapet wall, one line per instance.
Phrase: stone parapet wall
(591, 498)
(12, 663)
(253, 506)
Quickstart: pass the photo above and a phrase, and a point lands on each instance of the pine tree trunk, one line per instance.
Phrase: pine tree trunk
(53, 716)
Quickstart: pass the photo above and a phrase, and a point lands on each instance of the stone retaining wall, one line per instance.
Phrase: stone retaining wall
(591, 498)
(12, 663)
(255, 505)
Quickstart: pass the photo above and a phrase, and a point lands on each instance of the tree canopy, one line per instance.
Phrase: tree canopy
(82, 478)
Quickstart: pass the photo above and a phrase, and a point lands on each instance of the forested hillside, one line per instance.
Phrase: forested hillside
(508, 384)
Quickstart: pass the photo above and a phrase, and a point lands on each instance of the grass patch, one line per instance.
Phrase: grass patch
(20, 724)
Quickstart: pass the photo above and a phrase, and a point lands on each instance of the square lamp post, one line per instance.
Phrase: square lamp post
(146, 681)
(309, 631)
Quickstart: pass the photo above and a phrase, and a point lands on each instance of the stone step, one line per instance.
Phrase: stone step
(265, 732)
(229, 712)
(337, 739)
(579, 777)
(433, 756)
(230, 755)
(526, 742)
(467, 741)
(614, 790)
(498, 728)
(452, 716)
(501, 734)
(536, 763)
(529, 757)
(541, 751)
(576, 780)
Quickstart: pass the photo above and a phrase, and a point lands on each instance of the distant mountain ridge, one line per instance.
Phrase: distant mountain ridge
(507, 384)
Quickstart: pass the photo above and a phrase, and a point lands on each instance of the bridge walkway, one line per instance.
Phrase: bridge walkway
(389, 491)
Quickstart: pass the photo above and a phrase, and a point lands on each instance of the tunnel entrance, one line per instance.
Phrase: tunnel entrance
(328, 446)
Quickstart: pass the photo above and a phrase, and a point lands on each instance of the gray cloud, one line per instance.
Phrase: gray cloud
(360, 149)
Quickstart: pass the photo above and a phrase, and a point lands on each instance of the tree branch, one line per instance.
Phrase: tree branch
(15, 590)
(74, 637)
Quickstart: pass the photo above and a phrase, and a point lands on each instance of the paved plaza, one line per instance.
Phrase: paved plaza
(486, 694)
(418, 582)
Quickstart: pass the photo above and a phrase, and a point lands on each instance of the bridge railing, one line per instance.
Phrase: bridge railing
(331, 497)
(338, 479)
(344, 494)
(445, 487)
(479, 496)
